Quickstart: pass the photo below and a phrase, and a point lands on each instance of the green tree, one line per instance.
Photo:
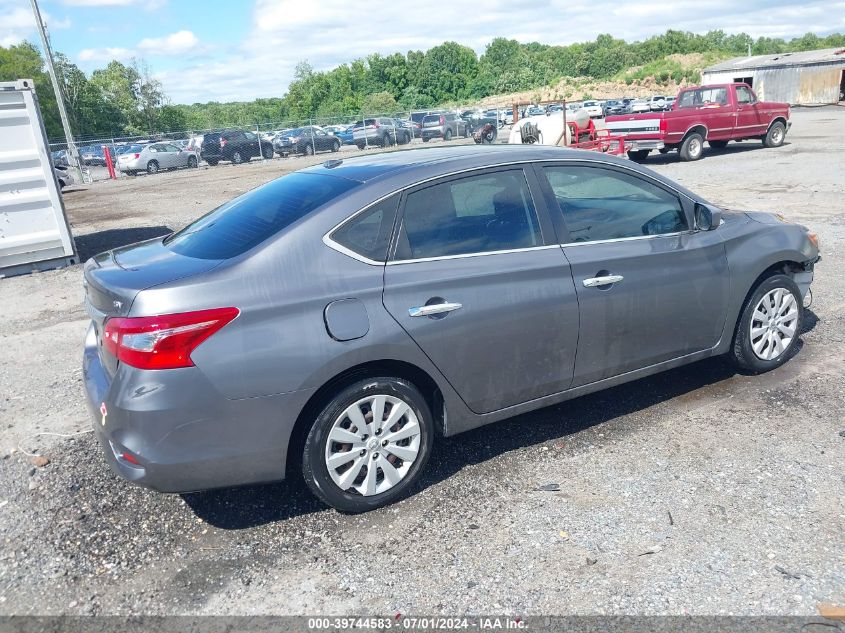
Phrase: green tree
(24, 61)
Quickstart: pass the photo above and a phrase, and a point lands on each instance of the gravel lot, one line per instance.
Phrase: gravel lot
(697, 491)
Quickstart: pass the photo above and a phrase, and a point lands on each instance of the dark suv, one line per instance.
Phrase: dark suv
(233, 145)
(444, 126)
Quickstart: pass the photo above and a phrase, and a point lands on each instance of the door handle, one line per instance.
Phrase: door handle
(434, 308)
(592, 282)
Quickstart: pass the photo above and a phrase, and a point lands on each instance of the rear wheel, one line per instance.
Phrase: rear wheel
(447, 136)
(768, 328)
(152, 167)
(368, 445)
(426, 139)
(775, 136)
(692, 147)
(212, 161)
(639, 155)
(336, 146)
(308, 149)
(267, 152)
(237, 157)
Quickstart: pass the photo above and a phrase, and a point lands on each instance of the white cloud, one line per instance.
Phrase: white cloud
(17, 23)
(105, 55)
(175, 43)
(100, 3)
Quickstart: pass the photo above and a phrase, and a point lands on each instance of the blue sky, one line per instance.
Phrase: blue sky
(224, 50)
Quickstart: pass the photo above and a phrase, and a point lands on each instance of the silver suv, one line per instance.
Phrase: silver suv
(444, 126)
(378, 131)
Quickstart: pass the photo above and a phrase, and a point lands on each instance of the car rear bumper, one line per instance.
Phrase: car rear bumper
(183, 433)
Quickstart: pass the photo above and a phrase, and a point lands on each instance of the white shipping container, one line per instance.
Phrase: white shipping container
(34, 232)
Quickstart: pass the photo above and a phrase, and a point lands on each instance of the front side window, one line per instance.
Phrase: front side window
(603, 204)
(743, 95)
(476, 214)
(368, 233)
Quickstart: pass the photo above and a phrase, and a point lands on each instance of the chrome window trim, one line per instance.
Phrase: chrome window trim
(628, 239)
(417, 260)
(328, 241)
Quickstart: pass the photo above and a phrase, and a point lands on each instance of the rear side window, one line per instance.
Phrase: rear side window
(368, 233)
(603, 204)
(477, 214)
(248, 220)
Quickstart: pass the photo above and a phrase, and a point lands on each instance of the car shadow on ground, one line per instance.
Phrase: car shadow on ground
(93, 243)
(251, 506)
(656, 158)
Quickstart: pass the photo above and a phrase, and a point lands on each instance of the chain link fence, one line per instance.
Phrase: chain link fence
(93, 151)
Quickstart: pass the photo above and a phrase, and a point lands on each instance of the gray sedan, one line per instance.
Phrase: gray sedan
(331, 323)
(155, 157)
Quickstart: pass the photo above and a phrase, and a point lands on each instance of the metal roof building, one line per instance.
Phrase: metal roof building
(805, 78)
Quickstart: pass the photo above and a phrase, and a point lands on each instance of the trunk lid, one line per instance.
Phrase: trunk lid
(114, 278)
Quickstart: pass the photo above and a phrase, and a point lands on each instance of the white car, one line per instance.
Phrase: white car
(640, 105)
(594, 109)
(155, 157)
(657, 102)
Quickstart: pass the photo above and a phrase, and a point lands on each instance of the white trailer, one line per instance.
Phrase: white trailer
(34, 232)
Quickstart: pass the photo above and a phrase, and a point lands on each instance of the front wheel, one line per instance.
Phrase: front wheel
(768, 328)
(267, 152)
(212, 161)
(237, 157)
(775, 136)
(192, 162)
(336, 146)
(448, 135)
(369, 444)
(308, 150)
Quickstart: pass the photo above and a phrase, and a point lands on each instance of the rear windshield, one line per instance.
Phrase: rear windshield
(432, 117)
(703, 96)
(248, 220)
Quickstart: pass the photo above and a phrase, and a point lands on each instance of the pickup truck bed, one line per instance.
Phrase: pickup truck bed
(716, 114)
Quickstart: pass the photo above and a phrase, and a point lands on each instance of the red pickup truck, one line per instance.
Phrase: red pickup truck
(716, 114)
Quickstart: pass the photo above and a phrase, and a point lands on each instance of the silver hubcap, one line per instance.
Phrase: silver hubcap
(372, 445)
(694, 147)
(773, 324)
(777, 135)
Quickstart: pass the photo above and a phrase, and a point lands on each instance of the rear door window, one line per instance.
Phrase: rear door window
(488, 212)
(250, 219)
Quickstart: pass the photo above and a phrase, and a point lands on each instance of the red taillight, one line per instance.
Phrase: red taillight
(222, 142)
(163, 342)
(375, 124)
(137, 156)
(663, 125)
(443, 120)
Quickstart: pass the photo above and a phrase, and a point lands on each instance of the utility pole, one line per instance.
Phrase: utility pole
(73, 153)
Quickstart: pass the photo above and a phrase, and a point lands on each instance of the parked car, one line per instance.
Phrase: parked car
(534, 111)
(63, 176)
(613, 106)
(377, 131)
(508, 117)
(306, 141)
(94, 155)
(639, 106)
(594, 109)
(445, 126)
(718, 114)
(657, 102)
(554, 107)
(235, 146)
(404, 131)
(414, 128)
(329, 324)
(670, 102)
(60, 158)
(343, 132)
(154, 157)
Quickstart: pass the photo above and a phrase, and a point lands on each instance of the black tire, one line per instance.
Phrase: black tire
(692, 147)
(639, 155)
(308, 149)
(426, 139)
(742, 353)
(336, 146)
(360, 145)
(314, 468)
(489, 137)
(192, 162)
(775, 136)
(718, 144)
(152, 167)
(237, 157)
(386, 140)
(447, 135)
(213, 161)
(268, 152)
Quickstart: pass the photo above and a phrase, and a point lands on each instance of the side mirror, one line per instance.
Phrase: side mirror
(707, 217)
